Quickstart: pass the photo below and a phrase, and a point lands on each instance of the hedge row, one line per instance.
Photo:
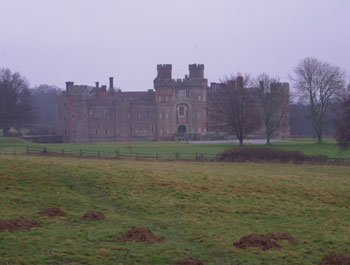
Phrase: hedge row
(258, 153)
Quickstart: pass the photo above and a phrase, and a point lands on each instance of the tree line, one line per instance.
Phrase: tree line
(319, 104)
(25, 107)
(320, 97)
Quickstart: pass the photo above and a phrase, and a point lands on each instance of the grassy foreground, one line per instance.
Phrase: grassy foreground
(200, 209)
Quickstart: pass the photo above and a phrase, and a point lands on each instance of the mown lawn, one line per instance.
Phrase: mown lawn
(200, 209)
(307, 146)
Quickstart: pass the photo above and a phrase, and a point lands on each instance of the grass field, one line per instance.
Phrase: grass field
(307, 146)
(200, 209)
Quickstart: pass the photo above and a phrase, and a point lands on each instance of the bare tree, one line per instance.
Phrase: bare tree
(234, 105)
(343, 126)
(16, 107)
(318, 82)
(44, 97)
(273, 99)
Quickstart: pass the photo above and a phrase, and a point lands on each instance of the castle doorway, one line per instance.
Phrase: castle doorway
(181, 129)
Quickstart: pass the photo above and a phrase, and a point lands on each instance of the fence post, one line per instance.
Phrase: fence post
(44, 151)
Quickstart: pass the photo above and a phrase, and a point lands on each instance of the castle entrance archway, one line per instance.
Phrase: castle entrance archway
(182, 129)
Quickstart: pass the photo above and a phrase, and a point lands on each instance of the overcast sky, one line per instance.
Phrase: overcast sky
(54, 41)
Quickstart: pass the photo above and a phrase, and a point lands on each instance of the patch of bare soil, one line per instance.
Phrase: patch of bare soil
(53, 212)
(17, 224)
(189, 261)
(94, 215)
(140, 234)
(263, 241)
(336, 259)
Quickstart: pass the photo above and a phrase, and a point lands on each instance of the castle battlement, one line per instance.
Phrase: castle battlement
(194, 79)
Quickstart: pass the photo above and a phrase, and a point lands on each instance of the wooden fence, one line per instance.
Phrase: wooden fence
(103, 154)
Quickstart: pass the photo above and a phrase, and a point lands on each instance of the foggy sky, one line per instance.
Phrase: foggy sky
(54, 41)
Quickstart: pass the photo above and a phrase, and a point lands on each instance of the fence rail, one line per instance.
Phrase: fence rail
(117, 154)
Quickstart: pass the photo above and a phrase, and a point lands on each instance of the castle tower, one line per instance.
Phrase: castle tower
(164, 71)
(196, 71)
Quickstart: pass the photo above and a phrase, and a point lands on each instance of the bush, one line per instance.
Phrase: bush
(256, 154)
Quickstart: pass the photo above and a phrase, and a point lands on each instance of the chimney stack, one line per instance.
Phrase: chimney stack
(97, 85)
(111, 87)
(69, 84)
(240, 81)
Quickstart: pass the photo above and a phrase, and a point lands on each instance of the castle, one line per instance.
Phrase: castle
(176, 108)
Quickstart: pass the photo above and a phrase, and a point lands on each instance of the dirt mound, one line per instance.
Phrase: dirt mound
(140, 234)
(257, 240)
(189, 261)
(336, 259)
(53, 212)
(17, 224)
(280, 236)
(94, 215)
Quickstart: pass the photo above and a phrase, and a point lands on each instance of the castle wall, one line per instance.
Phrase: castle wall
(177, 106)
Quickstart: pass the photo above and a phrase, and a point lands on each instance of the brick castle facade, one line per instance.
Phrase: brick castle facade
(176, 108)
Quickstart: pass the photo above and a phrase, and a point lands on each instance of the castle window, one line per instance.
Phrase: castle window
(177, 93)
(181, 111)
(65, 104)
(137, 113)
(166, 115)
(199, 130)
(98, 126)
(160, 98)
(106, 131)
(166, 98)
(147, 113)
(187, 93)
(73, 132)
(152, 128)
(207, 126)
(65, 118)
(106, 114)
(85, 116)
(160, 115)
(96, 131)
(73, 116)
(161, 131)
(65, 132)
(199, 98)
(130, 128)
(199, 114)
